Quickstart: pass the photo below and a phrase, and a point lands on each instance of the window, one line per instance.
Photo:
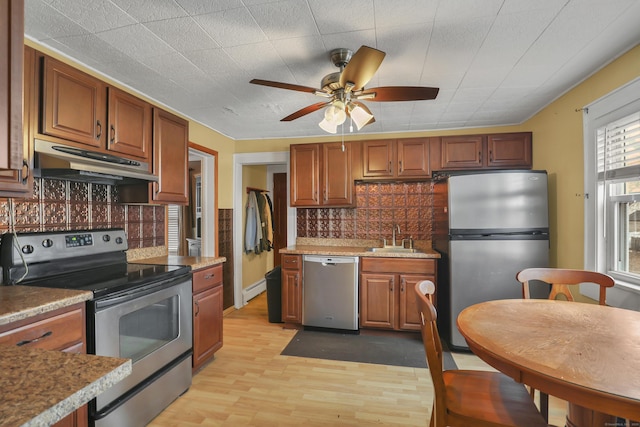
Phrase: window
(612, 175)
(173, 227)
(618, 146)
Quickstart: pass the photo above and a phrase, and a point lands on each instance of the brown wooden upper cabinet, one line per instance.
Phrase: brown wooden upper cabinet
(81, 109)
(322, 175)
(12, 155)
(129, 121)
(401, 158)
(170, 164)
(170, 158)
(492, 151)
(19, 182)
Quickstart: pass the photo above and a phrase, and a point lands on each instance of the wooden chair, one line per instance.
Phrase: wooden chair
(469, 397)
(560, 279)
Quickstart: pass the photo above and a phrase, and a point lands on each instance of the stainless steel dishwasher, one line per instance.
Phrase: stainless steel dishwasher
(330, 292)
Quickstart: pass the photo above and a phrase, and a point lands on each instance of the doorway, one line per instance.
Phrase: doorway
(207, 199)
(278, 162)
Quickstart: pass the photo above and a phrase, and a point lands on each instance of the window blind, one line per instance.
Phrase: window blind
(618, 150)
(173, 226)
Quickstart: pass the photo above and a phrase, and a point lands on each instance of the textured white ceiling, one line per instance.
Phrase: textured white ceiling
(496, 62)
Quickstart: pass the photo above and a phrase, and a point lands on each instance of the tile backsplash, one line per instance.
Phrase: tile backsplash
(58, 205)
(379, 205)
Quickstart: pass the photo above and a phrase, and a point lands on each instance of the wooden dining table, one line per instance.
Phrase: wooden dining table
(586, 354)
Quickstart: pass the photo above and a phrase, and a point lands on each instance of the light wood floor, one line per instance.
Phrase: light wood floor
(250, 384)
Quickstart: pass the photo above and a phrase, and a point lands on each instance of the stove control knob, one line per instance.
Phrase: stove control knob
(119, 240)
(27, 249)
(47, 243)
(106, 238)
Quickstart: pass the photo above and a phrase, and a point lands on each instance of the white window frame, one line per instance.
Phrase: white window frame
(616, 105)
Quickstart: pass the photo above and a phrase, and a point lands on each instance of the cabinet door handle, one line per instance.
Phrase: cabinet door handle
(209, 276)
(402, 283)
(25, 342)
(197, 309)
(400, 165)
(491, 155)
(113, 134)
(99, 126)
(389, 165)
(25, 171)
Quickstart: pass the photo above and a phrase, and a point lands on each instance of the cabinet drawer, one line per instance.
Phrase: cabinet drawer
(207, 278)
(54, 333)
(291, 262)
(398, 265)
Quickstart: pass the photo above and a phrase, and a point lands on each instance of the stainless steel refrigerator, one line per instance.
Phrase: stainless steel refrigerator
(495, 224)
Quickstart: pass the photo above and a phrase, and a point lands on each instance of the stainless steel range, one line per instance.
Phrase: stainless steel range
(139, 311)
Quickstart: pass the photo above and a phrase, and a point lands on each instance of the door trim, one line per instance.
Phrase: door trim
(240, 160)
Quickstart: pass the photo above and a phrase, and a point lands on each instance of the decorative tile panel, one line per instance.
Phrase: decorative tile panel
(58, 205)
(378, 207)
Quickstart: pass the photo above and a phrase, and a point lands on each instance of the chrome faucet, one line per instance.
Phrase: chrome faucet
(393, 238)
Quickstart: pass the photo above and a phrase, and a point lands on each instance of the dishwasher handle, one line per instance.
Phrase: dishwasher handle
(330, 260)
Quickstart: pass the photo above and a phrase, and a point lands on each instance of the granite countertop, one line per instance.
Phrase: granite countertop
(40, 387)
(195, 262)
(21, 302)
(352, 247)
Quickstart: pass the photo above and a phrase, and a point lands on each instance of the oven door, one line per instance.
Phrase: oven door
(151, 325)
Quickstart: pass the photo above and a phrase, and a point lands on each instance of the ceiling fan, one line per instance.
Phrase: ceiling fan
(345, 89)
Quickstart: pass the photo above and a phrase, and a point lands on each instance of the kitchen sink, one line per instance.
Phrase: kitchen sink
(394, 249)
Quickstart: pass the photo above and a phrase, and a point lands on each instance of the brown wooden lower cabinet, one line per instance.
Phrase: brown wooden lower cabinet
(387, 299)
(62, 329)
(292, 289)
(207, 314)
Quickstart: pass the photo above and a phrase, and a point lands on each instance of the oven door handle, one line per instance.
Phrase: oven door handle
(137, 292)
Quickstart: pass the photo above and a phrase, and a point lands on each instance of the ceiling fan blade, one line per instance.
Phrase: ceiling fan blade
(304, 111)
(362, 66)
(399, 93)
(284, 86)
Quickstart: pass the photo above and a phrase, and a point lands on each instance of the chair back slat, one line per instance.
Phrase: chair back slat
(561, 278)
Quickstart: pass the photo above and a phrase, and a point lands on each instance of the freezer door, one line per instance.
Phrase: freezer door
(501, 200)
(484, 270)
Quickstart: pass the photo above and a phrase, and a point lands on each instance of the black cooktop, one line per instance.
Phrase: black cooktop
(90, 260)
(111, 279)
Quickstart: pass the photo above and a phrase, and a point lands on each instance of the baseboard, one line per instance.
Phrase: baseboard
(253, 291)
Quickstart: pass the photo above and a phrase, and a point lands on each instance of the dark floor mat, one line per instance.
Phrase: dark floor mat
(401, 350)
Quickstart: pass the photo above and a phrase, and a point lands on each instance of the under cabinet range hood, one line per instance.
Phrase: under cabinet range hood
(58, 161)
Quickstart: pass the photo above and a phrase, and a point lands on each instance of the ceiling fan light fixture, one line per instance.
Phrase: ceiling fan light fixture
(334, 115)
(328, 126)
(360, 116)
